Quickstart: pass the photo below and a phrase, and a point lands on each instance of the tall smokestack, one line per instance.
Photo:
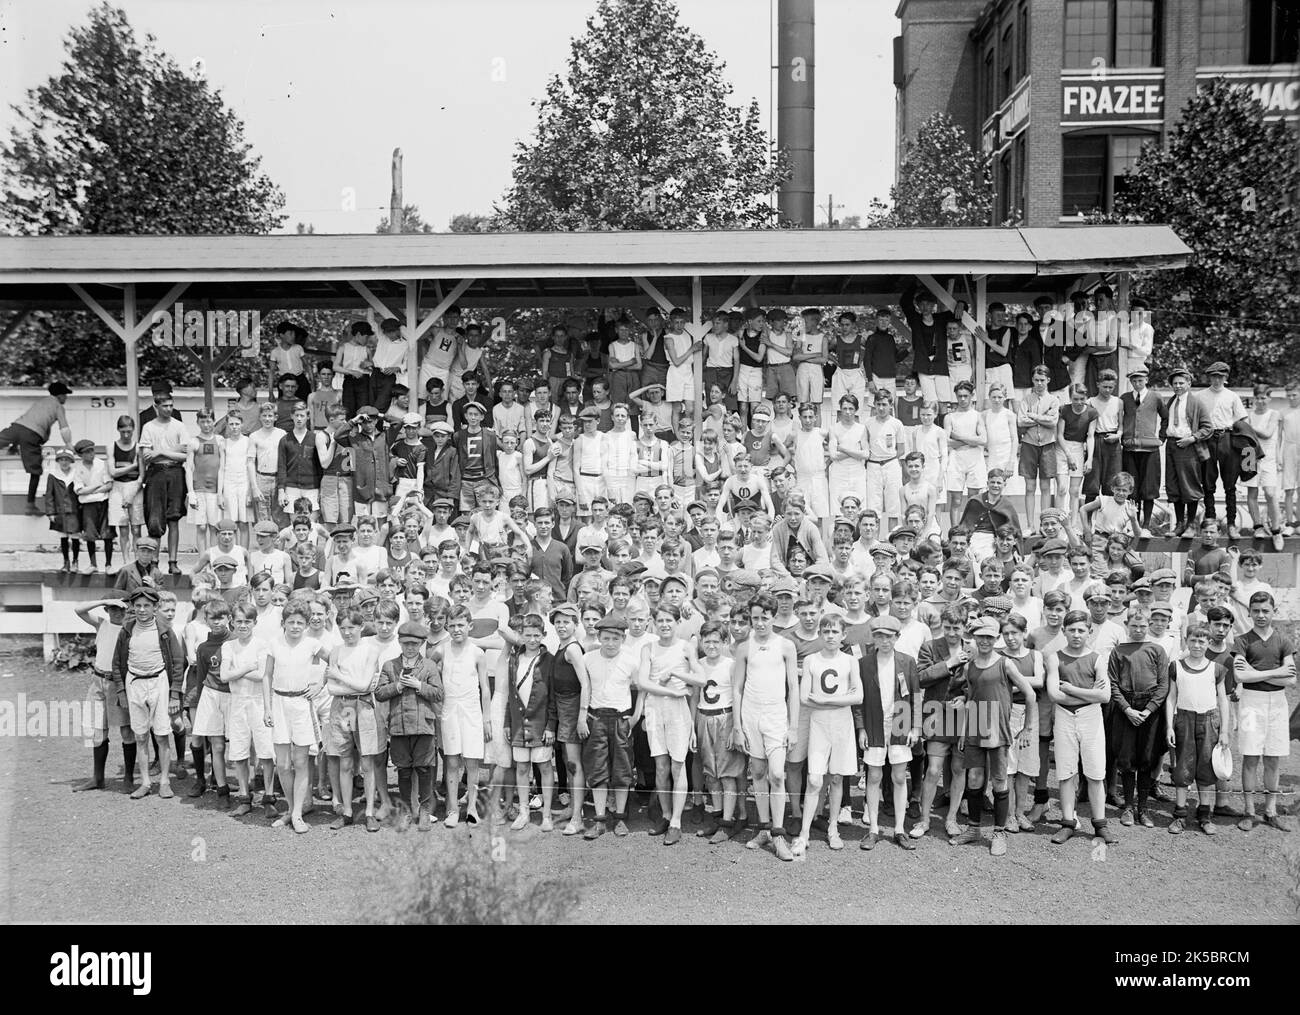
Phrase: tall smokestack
(794, 107)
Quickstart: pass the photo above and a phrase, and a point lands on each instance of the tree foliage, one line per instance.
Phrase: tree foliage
(412, 221)
(123, 140)
(640, 134)
(1228, 183)
(942, 181)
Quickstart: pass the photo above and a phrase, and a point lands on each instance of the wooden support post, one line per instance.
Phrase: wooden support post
(697, 368)
(1121, 305)
(412, 343)
(740, 292)
(981, 318)
(648, 287)
(130, 338)
(12, 324)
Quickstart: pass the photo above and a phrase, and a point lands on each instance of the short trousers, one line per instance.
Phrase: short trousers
(236, 498)
(810, 383)
(749, 384)
(407, 485)
(537, 755)
(294, 721)
(1079, 741)
(164, 498)
(1290, 467)
(147, 699)
(292, 493)
(607, 753)
(1038, 461)
(247, 729)
(418, 750)
(212, 717)
(1265, 477)
(1263, 724)
(497, 750)
(942, 749)
(680, 386)
(462, 729)
(206, 509)
(1022, 760)
(126, 503)
(105, 709)
(831, 746)
(566, 710)
(896, 754)
(765, 728)
(668, 727)
(993, 760)
(1071, 463)
(713, 744)
(1195, 735)
(798, 752)
(936, 387)
(967, 470)
(1000, 374)
(778, 379)
(335, 499)
(353, 724)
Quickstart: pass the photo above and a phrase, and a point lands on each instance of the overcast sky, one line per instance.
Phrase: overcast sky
(326, 91)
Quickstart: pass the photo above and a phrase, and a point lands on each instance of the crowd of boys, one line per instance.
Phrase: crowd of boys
(504, 591)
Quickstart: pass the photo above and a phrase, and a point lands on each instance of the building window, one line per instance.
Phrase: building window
(1005, 192)
(1095, 167)
(1124, 33)
(1273, 31)
(1223, 33)
(1021, 191)
(989, 95)
(1022, 42)
(1007, 54)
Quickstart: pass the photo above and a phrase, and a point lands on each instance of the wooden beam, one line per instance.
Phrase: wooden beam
(371, 299)
(101, 313)
(412, 340)
(14, 322)
(648, 287)
(981, 303)
(132, 354)
(146, 322)
(697, 364)
(735, 297)
(442, 307)
(946, 300)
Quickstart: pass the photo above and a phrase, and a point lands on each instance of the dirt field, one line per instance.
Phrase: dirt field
(98, 857)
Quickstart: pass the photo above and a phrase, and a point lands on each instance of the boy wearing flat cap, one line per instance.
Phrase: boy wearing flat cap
(412, 685)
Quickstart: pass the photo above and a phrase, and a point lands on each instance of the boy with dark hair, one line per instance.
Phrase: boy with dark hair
(412, 687)
(1198, 720)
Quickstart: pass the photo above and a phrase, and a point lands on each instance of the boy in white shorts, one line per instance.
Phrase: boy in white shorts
(1264, 666)
(354, 727)
(716, 735)
(149, 663)
(810, 359)
(829, 688)
(212, 713)
(204, 464)
(765, 687)
(891, 703)
(1289, 455)
(232, 483)
(287, 708)
(1079, 687)
(241, 671)
(466, 700)
(666, 675)
(967, 470)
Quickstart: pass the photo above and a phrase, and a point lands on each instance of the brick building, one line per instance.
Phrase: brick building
(1066, 92)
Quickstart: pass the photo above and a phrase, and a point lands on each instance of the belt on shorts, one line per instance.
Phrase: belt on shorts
(713, 711)
(354, 697)
(218, 690)
(261, 473)
(144, 676)
(604, 712)
(581, 473)
(881, 461)
(290, 694)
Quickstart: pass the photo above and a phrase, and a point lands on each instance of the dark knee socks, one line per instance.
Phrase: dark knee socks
(196, 756)
(1001, 807)
(128, 761)
(404, 787)
(32, 483)
(178, 740)
(1129, 781)
(975, 805)
(101, 758)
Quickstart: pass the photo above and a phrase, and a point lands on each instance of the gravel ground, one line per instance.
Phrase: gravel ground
(99, 857)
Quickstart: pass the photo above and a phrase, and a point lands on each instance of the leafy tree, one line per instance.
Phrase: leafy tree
(122, 140)
(467, 222)
(640, 134)
(1228, 183)
(412, 221)
(942, 181)
(125, 141)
